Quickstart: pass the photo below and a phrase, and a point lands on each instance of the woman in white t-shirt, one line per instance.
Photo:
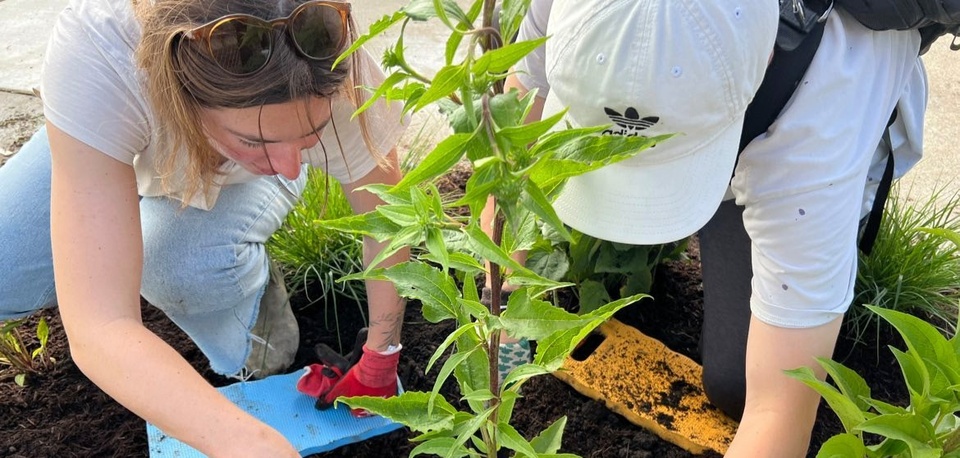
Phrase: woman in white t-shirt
(177, 137)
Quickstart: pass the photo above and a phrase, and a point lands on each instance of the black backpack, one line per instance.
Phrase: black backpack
(798, 37)
(933, 18)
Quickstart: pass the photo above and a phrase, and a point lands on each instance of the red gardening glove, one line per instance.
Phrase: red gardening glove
(318, 379)
(374, 375)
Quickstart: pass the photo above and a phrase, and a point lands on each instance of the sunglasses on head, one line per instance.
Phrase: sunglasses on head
(242, 44)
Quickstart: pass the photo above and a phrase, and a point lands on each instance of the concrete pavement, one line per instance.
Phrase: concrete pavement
(27, 25)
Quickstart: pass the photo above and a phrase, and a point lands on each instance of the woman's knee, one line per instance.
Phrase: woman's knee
(183, 277)
(726, 389)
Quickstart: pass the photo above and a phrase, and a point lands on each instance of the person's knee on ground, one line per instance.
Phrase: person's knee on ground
(726, 390)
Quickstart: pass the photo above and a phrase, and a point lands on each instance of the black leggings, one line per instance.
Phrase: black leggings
(727, 271)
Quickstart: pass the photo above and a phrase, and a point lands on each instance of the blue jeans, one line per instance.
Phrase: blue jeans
(206, 270)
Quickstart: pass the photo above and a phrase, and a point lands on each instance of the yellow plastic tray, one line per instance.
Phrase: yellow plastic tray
(652, 386)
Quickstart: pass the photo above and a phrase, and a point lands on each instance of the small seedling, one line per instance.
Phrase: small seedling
(14, 352)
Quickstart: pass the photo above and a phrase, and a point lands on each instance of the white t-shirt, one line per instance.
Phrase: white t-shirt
(92, 90)
(804, 183)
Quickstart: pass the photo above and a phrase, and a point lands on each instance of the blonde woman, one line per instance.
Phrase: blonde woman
(177, 136)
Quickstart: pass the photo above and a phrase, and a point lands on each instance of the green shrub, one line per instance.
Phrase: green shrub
(600, 271)
(927, 428)
(313, 257)
(909, 269)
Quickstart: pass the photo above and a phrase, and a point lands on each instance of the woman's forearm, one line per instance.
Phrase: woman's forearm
(385, 306)
(147, 376)
(779, 412)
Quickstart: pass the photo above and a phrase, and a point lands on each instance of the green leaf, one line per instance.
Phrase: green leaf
(376, 29)
(610, 259)
(548, 441)
(434, 289)
(533, 199)
(947, 234)
(535, 319)
(43, 331)
(844, 445)
(443, 157)
(388, 84)
(475, 374)
(592, 295)
(481, 244)
(909, 429)
(20, 380)
(459, 261)
(373, 224)
(527, 133)
(447, 80)
(441, 446)
(405, 237)
(450, 340)
(924, 342)
(583, 154)
(511, 439)
(409, 409)
(436, 246)
(639, 282)
(511, 15)
(508, 399)
(851, 384)
(501, 59)
(885, 408)
(449, 366)
(552, 265)
(401, 215)
(472, 425)
(552, 350)
(422, 10)
(522, 373)
(846, 409)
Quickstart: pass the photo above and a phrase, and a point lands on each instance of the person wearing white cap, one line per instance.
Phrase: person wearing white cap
(779, 256)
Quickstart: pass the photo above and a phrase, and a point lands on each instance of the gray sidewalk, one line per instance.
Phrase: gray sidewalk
(27, 24)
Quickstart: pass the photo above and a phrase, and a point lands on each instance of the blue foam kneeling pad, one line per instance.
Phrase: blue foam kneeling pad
(276, 401)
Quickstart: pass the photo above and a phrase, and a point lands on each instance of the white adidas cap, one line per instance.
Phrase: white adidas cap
(653, 67)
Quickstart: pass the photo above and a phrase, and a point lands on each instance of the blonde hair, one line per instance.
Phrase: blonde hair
(180, 82)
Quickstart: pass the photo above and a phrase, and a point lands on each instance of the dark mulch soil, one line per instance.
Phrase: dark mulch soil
(62, 414)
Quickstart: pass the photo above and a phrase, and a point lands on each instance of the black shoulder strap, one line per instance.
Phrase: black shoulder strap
(783, 75)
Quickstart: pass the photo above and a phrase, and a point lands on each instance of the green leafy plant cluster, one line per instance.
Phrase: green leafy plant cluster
(14, 352)
(521, 166)
(313, 257)
(600, 270)
(910, 270)
(928, 427)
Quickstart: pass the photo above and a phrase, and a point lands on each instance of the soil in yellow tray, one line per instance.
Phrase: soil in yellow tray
(652, 386)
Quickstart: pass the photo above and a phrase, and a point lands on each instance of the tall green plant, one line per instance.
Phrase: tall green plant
(521, 166)
(909, 270)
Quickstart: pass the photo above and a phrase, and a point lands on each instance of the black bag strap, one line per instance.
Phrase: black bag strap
(784, 73)
(872, 228)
